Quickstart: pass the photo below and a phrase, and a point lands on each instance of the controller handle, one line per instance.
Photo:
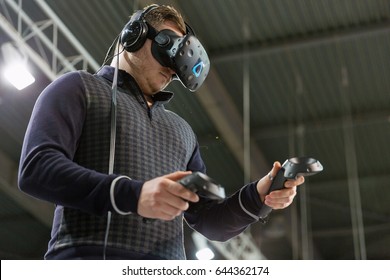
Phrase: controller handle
(291, 169)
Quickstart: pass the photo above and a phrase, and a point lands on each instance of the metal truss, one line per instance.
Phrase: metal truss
(38, 40)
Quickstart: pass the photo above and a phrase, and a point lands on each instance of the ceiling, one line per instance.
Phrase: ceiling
(287, 78)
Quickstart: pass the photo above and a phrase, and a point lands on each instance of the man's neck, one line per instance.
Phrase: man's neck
(149, 100)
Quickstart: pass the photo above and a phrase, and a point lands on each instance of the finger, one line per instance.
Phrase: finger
(176, 176)
(178, 189)
(264, 184)
(283, 193)
(274, 171)
(166, 207)
(169, 193)
(278, 204)
(182, 192)
(296, 182)
(176, 200)
(280, 199)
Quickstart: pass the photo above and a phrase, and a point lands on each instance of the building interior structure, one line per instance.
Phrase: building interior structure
(287, 78)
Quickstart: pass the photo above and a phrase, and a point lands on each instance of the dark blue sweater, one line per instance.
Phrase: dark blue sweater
(49, 171)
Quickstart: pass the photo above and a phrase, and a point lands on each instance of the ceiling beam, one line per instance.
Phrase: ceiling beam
(306, 41)
(262, 132)
(68, 35)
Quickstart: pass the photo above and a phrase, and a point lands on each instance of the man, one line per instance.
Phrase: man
(113, 176)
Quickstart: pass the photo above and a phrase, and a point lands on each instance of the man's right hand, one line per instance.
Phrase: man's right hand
(163, 198)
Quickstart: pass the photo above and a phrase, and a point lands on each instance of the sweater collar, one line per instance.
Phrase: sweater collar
(127, 82)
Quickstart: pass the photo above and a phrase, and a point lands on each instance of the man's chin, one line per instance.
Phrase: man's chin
(164, 85)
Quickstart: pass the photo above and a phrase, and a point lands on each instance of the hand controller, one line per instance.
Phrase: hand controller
(203, 185)
(291, 169)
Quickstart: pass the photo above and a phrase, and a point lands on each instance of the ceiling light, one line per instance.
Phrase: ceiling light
(205, 254)
(18, 75)
(15, 67)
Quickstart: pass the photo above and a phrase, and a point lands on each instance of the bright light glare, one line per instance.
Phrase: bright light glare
(18, 75)
(205, 254)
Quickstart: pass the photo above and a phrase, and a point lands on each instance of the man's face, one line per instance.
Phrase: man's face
(151, 76)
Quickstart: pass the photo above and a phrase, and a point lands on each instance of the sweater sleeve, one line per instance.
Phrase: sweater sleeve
(224, 220)
(47, 170)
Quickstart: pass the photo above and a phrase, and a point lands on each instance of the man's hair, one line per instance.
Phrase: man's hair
(163, 13)
(155, 17)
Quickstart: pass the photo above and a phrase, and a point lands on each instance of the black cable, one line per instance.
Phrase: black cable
(112, 135)
(108, 57)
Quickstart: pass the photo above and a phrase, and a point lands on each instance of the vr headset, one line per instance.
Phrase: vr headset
(183, 54)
